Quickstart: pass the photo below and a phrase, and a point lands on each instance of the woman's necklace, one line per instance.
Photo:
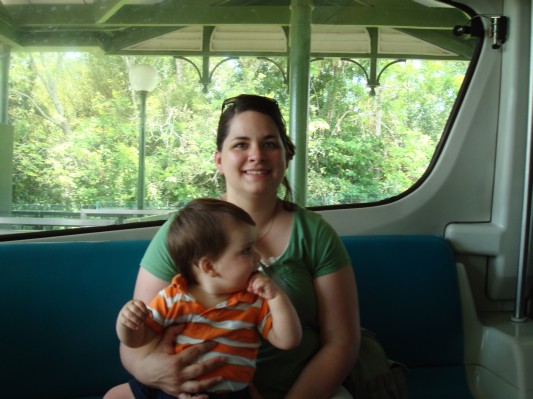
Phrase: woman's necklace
(272, 219)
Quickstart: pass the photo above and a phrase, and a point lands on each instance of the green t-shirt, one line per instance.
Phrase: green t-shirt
(314, 250)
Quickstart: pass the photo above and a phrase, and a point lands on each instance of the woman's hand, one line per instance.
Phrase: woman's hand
(160, 367)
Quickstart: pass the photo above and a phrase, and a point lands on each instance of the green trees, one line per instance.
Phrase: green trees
(76, 126)
(367, 148)
(74, 130)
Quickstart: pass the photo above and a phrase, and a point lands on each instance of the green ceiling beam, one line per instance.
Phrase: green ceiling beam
(105, 9)
(197, 13)
(412, 17)
(270, 55)
(74, 41)
(8, 32)
(115, 42)
(439, 18)
(111, 25)
(134, 35)
(169, 13)
(446, 40)
(28, 16)
(8, 36)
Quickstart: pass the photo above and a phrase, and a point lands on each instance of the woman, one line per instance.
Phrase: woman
(298, 249)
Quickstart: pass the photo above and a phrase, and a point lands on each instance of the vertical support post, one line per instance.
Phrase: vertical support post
(520, 308)
(5, 55)
(519, 314)
(142, 116)
(299, 72)
(205, 76)
(373, 79)
(6, 137)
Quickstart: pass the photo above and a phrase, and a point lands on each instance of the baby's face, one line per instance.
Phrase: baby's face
(239, 260)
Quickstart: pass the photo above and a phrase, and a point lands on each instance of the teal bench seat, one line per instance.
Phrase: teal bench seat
(409, 297)
(62, 300)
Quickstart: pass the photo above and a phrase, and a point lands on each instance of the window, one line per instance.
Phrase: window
(371, 144)
(375, 122)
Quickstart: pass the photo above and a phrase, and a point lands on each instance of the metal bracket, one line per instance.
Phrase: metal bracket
(497, 32)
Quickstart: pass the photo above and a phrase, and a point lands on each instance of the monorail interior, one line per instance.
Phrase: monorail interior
(477, 194)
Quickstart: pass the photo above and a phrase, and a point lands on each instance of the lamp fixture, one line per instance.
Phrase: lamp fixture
(143, 77)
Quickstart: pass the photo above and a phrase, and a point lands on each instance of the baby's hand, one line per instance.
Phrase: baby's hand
(262, 285)
(133, 314)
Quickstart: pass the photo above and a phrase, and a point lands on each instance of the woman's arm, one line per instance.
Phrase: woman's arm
(339, 333)
(157, 365)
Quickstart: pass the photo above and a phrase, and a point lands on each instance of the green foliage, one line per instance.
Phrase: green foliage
(77, 125)
(366, 148)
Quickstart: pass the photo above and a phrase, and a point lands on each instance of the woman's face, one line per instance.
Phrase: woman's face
(252, 159)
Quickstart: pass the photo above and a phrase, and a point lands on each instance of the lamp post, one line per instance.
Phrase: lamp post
(143, 78)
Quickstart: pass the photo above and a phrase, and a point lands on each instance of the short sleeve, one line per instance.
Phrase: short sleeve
(330, 252)
(159, 309)
(316, 243)
(157, 259)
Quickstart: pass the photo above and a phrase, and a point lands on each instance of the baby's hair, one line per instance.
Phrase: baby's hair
(198, 230)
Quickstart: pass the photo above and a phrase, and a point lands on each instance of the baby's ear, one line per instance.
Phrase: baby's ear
(207, 267)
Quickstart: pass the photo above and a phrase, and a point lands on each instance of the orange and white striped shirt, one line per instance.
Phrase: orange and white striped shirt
(234, 324)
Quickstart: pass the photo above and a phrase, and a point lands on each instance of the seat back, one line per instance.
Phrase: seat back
(62, 300)
(409, 296)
